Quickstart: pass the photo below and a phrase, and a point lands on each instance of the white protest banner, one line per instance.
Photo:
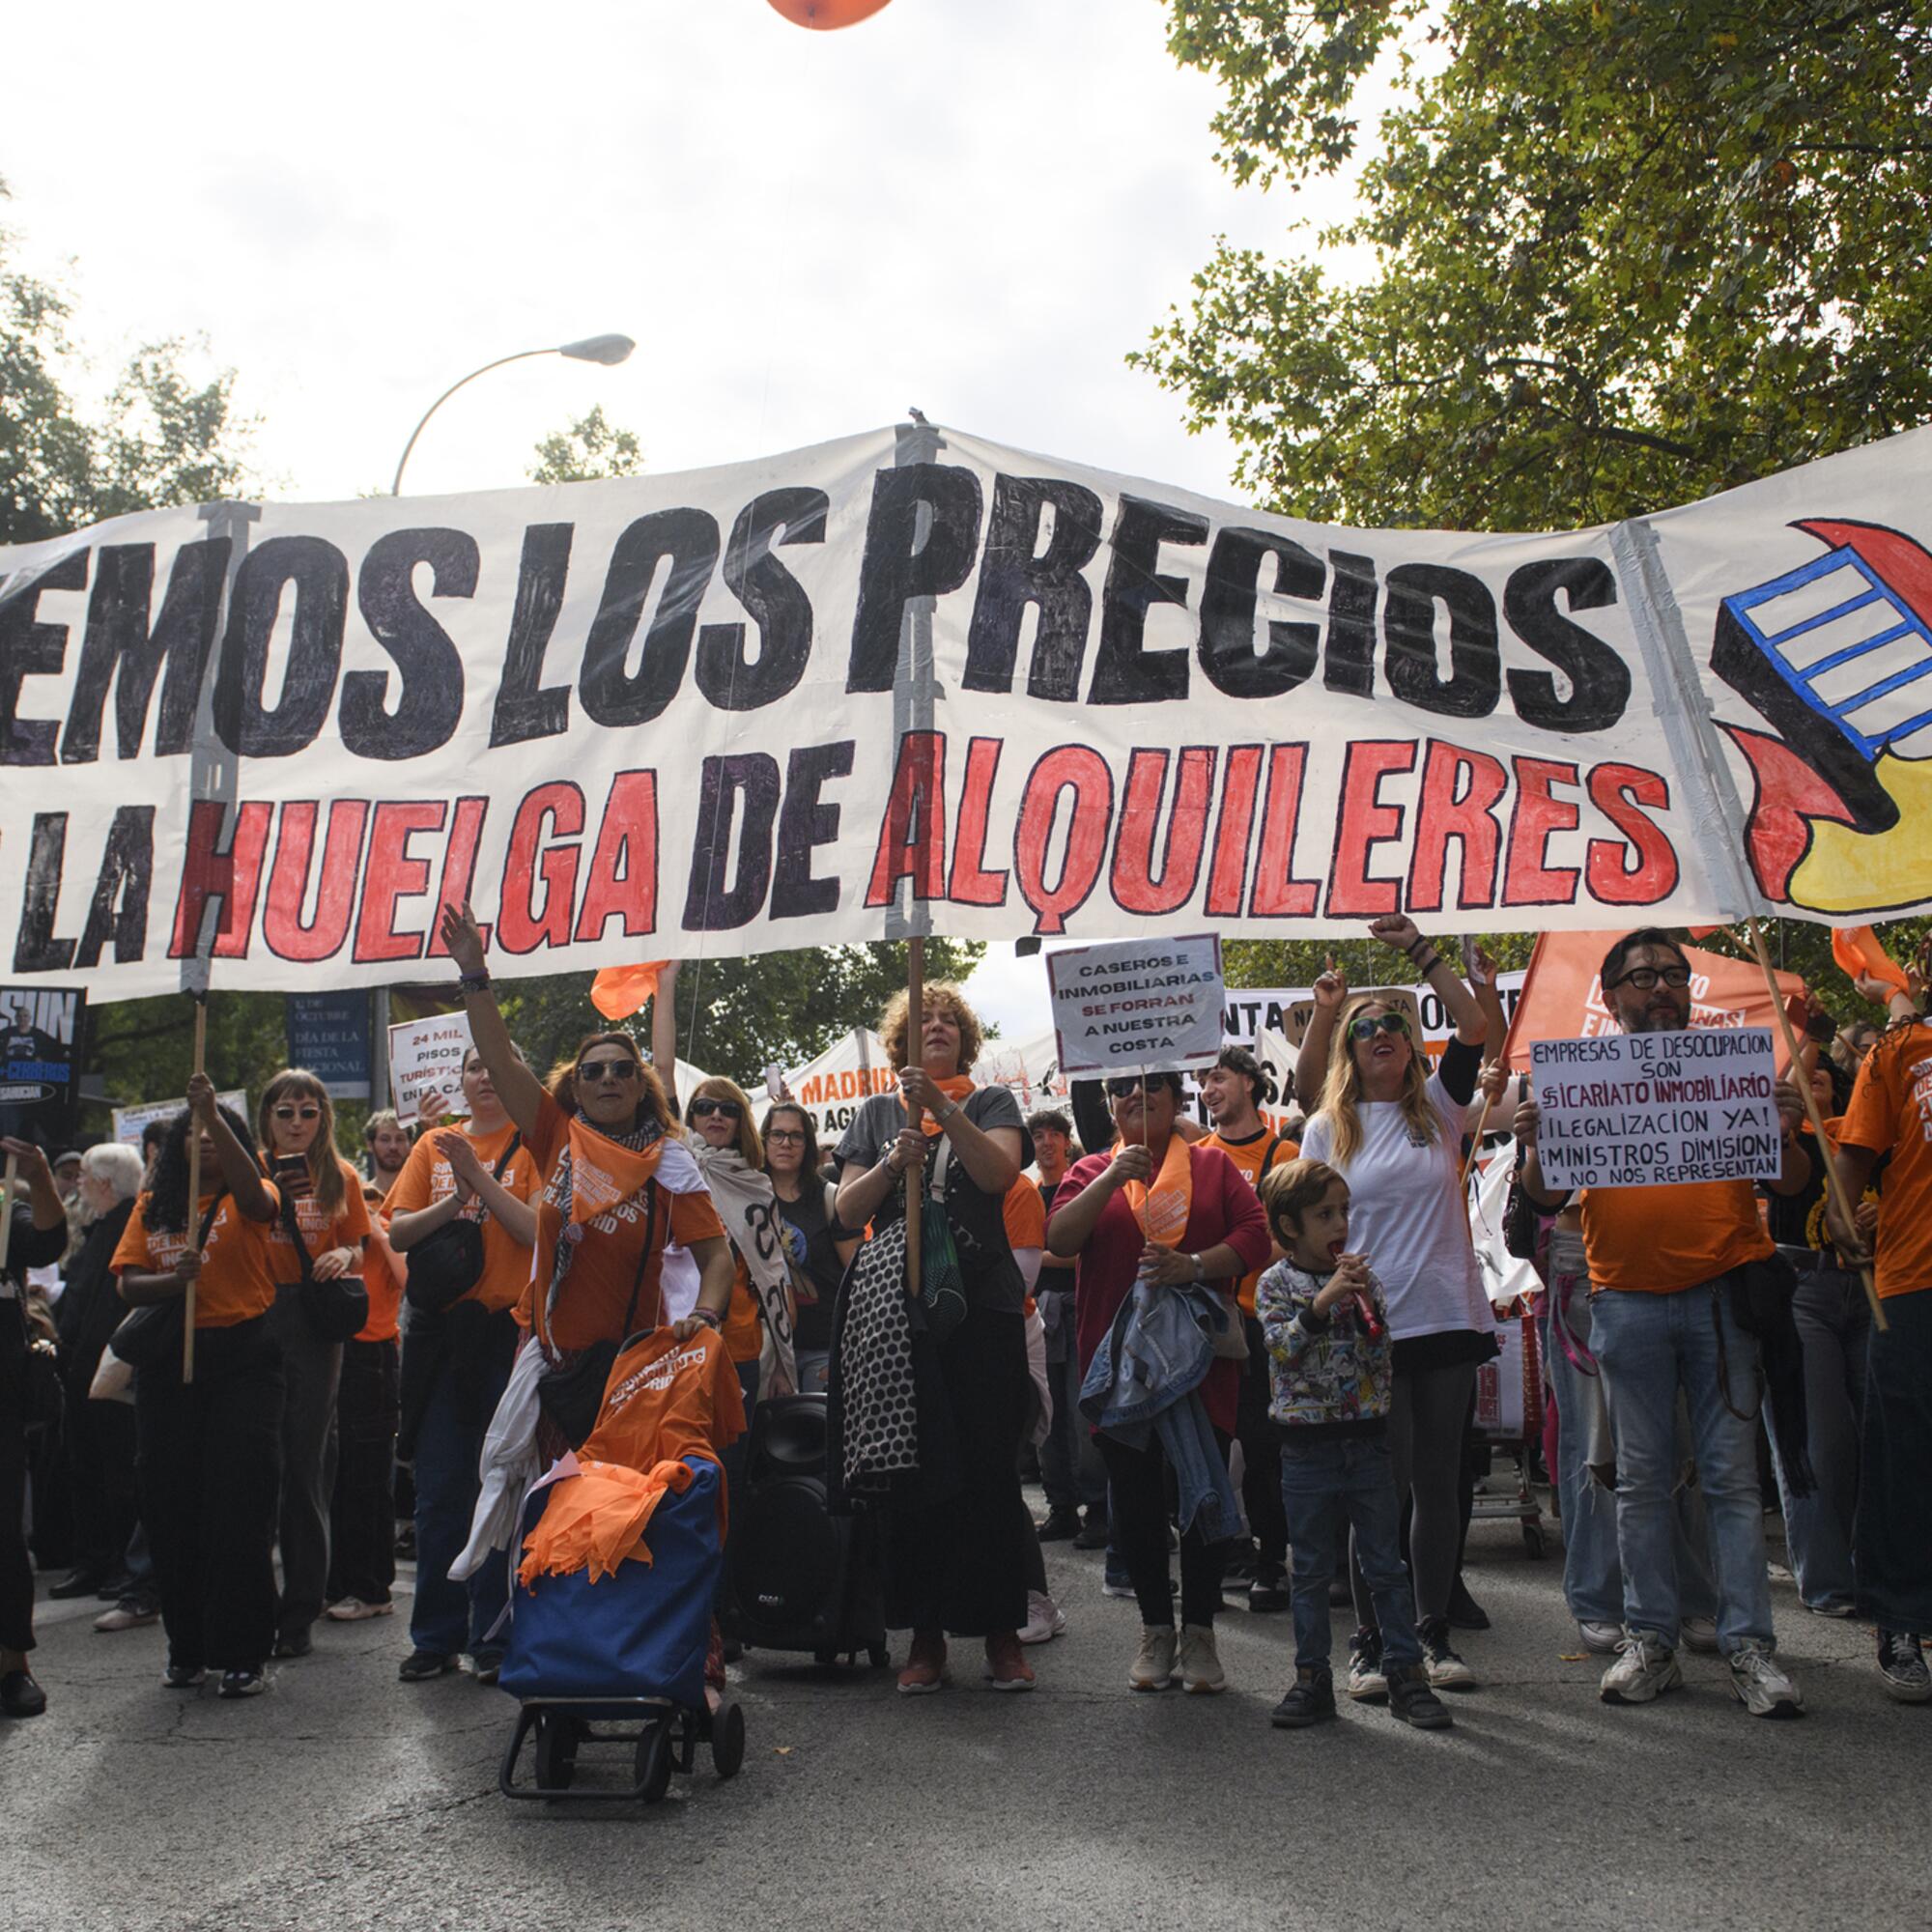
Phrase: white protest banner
(1136, 1009)
(131, 1123)
(425, 1060)
(666, 713)
(1658, 1109)
(839, 1081)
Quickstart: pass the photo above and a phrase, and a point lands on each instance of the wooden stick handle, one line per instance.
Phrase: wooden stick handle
(915, 1035)
(194, 1187)
(6, 1219)
(1832, 1186)
(1476, 1139)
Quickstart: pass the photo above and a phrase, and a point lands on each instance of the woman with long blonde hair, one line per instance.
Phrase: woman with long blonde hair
(321, 1203)
(1393, 1130)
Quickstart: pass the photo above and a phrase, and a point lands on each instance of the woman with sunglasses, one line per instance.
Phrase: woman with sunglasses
(960, 1566)
(613, 1200)
(1158, 1208)
(1393, 1130)
(810, 1206)
(295, 1122)
(456, 1359)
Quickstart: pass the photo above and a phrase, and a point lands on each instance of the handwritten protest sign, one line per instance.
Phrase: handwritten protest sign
(131, 1123)
(425, 1058)
(1130, 1009)
(1658, 1109)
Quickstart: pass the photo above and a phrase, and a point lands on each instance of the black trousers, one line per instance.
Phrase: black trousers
(1891, 1554)
(961, 1565)
(210, 1459)
(16, 1567)
(1137, 1482)
(1260, 1453)
(362, 1513)
(101, 1470)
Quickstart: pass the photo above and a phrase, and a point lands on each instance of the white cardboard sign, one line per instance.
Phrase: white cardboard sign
(131, 1123)
(1152, 1005)
(1658, 1109)
(425, 1058)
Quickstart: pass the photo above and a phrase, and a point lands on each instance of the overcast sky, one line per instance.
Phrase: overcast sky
(977, 206)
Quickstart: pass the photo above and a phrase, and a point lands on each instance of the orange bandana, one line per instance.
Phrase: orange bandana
(1163, 1209)
(955, 1087)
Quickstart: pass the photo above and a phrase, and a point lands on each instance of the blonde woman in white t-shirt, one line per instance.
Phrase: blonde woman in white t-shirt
(1394, 1130)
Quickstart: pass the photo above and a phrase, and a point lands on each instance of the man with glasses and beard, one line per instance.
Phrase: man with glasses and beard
(1664, 1261)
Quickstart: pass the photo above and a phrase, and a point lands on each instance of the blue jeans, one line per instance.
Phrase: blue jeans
(1326, 1480)
(449, 1616)
(1650, 1346)
(1593, 1578)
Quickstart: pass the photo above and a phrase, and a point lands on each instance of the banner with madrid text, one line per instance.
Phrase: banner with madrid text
(912, 680)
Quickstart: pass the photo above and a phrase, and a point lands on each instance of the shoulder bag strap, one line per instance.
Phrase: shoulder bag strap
(509, 1154)
(643, 1253)
(942, 1160)
(293, 1224)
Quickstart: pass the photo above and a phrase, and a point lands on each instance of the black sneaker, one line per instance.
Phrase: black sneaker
(1060, 1525)
(488, 1663)
(1465, 1612)
(1445, 1669)
(420, 1665)
(242, 1684)
(1415, 1702)
(1309, 1703)
(1901, 1667)
(20, 1696)
(184, 1677)
(291, 1643)
(1268, 1590)
(1092, 1532)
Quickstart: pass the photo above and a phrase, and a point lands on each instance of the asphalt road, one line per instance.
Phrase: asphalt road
(345, 1800)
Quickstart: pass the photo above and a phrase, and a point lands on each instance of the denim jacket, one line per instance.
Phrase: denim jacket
(1145, 1379)
(1323, 1371)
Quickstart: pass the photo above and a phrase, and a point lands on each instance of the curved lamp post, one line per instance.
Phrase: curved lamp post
(609, 350)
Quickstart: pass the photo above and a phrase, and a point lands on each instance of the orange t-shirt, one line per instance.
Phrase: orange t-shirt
(236, 1283)
(346, 1228)
(1891, 1112)
(427, 1178)
(1025, 1215)
(604, 1271)
(744, 1320)
(385, 1285)
(1254, 1157)
(1661, 1240)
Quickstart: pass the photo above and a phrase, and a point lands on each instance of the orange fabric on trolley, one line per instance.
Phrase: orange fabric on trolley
(597, 1520)
(666, 1400)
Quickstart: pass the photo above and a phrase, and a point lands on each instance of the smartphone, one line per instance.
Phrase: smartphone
(775, 1081)
(1472, 972)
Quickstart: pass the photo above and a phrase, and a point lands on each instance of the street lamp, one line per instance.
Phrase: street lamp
(609, 350)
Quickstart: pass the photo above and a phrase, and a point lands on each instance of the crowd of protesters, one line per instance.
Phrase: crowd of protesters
(1256, 1345)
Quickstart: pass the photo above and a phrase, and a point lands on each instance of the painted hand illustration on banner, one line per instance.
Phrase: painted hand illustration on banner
(1836, 655)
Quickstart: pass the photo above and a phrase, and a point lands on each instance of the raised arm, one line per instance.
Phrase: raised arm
(1311, 1065)
(237, 1162)
(664, 1031)
(517, 1086)
(1397, 931)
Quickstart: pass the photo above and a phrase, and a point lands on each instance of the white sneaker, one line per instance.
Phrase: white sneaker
(1367, 1679)
(1045, 1619)
(1762, 1687)
(1699, 1634)
(1200, 1661)
(353, 1610)
(1154, 1660)
(1644, 1669)
(1602, 1638)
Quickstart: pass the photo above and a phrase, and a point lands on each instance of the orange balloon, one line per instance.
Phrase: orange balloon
(827, 14)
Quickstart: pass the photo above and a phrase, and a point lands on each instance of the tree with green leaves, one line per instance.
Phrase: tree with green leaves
(586, 449)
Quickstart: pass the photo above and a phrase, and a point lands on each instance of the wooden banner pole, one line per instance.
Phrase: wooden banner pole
(916, 1048)
(194, 1185)
(12, 1181)
(1832, 1186)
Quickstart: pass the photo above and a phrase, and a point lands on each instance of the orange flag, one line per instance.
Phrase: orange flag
(618, 991)
(1859, 951)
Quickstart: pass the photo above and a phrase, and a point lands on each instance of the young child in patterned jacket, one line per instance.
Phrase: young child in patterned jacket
(1326, 1327)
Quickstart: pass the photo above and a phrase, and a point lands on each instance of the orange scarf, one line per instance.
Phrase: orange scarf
(955, 1087)
(597, 1520)
(1162, 1209)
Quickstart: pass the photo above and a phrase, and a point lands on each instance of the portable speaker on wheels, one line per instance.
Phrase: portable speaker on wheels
(803, 1578)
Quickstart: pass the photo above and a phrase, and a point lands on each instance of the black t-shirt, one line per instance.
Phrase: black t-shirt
(822, 1265)
(1051, 1277)
(978, 1220)
(1798, 1221)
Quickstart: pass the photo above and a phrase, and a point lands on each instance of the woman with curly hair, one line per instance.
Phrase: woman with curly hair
(322, 1205)
(209, 1452)
(1393, 1130)
(959, 1565)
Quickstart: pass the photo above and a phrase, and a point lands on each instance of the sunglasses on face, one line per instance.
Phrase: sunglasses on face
(1644, 978)
(608, 1070)
(775, 1135)
(1152, 1083)
(1366, 1028)
(729, 1109)
(289, 1112)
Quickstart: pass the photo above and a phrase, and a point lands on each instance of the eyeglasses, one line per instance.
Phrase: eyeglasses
(1366, 1028)
(287, 1112)
(774, 1135)
(1644, 978)
(1152, 1083)
(730, 1109)
(606, 1070)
